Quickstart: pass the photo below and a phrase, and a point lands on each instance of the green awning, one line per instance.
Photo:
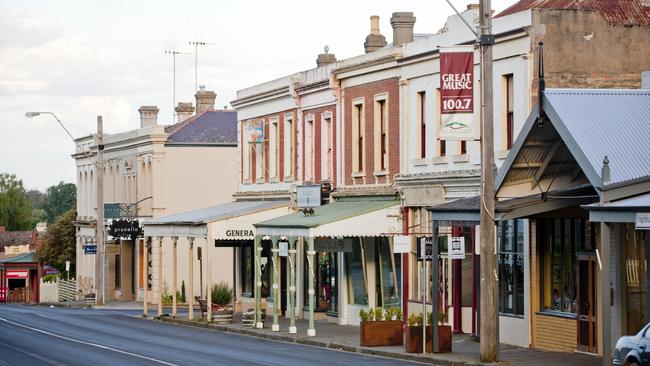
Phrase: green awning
(20, 258)
(367, 218)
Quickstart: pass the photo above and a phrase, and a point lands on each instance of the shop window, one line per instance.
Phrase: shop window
(511, 267)
(356, 275)
(325, 281)
(388, 274)
(247, 267)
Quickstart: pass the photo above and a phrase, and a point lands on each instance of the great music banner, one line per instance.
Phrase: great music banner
(457, 93)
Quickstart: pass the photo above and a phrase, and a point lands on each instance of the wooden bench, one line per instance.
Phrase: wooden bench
(248, 317)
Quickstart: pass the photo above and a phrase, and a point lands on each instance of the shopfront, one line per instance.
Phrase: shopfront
(19, 279)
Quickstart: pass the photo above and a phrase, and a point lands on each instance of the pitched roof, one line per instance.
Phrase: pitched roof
(592, 124)
(216, 213)
(210, 127)
(9, 238)
(618, 12)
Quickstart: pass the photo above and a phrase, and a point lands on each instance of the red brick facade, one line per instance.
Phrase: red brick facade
(368, 92)
(318, 114)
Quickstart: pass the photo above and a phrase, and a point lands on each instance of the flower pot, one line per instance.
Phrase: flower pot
(414, 339)
(220, 314)
(381, 333)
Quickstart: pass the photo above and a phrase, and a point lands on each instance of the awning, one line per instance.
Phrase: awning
(624, 210)
(338, 219)
(536, 204)
(465, 209)
(195, 223)
(20, 258)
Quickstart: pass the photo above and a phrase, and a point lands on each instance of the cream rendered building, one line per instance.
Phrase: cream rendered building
(156, 170)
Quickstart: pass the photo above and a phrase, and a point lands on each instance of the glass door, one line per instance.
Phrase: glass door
(586, 302)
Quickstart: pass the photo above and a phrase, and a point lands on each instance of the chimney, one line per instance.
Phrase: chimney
(148, 115)
(184, 111)
(402, 23)
(374, 40)
(204, 100)
(476, 7)
(2, 229)
(325, 58)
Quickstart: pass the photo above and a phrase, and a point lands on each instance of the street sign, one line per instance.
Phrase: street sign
(642, 221)
(308, 196)
(284, 248)
(112, 211)
(457, 247)
(425, 248)
(401, 244)
(90, 249)
(67, 266)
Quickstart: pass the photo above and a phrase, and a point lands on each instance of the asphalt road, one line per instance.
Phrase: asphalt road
(32, 335)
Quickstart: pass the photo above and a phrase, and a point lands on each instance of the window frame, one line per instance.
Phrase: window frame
(380, 132)
(358, 135)
(516, 252)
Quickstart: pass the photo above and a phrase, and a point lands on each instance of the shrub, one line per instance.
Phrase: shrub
(221, 294)
(51, 278)
(364, 315)
(398, 313)
(379, 314)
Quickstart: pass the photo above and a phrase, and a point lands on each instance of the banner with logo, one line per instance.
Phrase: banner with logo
(457, 93)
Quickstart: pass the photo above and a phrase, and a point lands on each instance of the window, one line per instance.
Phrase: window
(274, 149)
(247, 268)
(355, 263)
(389, 274)
(325, 281)
(422, 125)
(511, 266)
(326, 147)
(118, 271)
(289, 146)
(309, 148)
(463, 147)
(357, 136)
(381, 134)
(509, 109)
(442, 144)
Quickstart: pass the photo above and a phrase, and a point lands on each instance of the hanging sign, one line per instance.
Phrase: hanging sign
(457, 247)
(125, 229)
(338, 245)
(401, 244)
(642, 221)
(255, 132)
(284, 248)
(17, 274)
(425, 248)
(457, 93)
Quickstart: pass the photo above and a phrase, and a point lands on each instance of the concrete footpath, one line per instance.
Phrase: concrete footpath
(346, 338)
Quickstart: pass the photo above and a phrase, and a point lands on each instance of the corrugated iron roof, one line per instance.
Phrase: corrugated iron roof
(608, 122)
(618, 12)
(210, 127)
(216, 213)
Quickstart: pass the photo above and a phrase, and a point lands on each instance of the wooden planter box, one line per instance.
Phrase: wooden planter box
(414, 339)
(223, 316)
(381, 333)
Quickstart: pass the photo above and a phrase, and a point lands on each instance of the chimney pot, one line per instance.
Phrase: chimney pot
(148, 115)
(402, 23)
(204, 100)
(184, 111)
(374, 40)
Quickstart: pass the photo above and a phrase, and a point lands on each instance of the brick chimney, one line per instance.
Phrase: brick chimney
(374, 40)
(2, 229)
(402, 23)
(148, 115)
(204, 100)
(325, 58)
(476, 7)
(184, 111)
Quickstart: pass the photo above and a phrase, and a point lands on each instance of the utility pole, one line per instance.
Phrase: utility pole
(174, 53)
(489, 279)
(100, 256)
(196, 45)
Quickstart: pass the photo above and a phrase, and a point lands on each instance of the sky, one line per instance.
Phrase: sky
(84, 58)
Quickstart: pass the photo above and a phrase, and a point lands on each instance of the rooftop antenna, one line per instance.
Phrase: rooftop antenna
(174, 53)
(196, 45)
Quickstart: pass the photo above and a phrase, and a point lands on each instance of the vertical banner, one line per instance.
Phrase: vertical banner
(457, 93)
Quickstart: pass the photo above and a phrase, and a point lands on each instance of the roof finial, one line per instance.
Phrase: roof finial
(606, 170)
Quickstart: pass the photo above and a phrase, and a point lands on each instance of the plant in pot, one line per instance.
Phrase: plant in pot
(414, 334)
(221, 309)
(379, 328)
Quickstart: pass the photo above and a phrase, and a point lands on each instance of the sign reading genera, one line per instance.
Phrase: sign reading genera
(237, 233)
(457, 93)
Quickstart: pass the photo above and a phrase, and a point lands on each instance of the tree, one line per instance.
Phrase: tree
(59, 245)
(37, 200)
(15, 210)
(59, 199)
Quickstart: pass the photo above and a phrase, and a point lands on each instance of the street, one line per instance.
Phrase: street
(31, 335)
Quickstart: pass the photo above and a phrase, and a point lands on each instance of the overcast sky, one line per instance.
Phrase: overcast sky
(84, 58)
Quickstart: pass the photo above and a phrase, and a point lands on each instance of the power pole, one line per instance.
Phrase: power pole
(174, 53)
(196, 45)
(100, 255)
(489, 279)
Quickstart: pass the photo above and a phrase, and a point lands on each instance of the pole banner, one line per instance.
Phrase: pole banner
(457, 120)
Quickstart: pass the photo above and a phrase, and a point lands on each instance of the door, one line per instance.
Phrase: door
(283, 285)
(586, 306)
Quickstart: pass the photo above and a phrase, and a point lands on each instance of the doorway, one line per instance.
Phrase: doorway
(283, 285)
(586, 302)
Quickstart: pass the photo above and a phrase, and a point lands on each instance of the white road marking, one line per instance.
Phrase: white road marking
(87, 343)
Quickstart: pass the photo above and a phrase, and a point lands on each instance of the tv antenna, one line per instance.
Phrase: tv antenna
(196, 45)
(174, 53)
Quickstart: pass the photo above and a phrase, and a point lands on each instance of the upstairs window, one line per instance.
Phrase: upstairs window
(358, 122)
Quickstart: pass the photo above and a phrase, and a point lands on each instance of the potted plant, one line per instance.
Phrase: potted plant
(221, 309)
(414, 334)
(379, 328)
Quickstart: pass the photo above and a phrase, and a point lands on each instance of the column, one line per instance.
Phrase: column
(174, 274)
(145, 275)
(190, 281)
(160, 276)
(258, 281)
(209, 244)
(605, 293)
(311, 331)
(276, 283)
(292, 284)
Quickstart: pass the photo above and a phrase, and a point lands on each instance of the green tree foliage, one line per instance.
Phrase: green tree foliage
(15, 210)
(59, 199)
(59, 245)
